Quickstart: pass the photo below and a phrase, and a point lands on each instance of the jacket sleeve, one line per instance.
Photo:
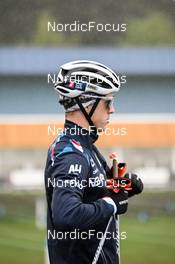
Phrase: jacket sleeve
(69, 176)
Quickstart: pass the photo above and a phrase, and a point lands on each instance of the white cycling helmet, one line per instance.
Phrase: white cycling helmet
(81, 83)
(79, 77)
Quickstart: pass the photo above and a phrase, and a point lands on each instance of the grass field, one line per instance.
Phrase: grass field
(150, 241)
(20, 242)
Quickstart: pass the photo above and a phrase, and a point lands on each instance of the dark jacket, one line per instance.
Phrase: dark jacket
(75, 177)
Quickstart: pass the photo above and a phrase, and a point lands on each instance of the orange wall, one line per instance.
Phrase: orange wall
(22, 136)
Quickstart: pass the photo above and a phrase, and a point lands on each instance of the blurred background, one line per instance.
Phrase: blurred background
(144, 123)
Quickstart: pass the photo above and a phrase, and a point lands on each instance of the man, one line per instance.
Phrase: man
(79, 204)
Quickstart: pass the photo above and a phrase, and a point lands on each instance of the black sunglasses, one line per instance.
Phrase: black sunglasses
(109, 102)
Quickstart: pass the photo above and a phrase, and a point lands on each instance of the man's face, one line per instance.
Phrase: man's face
(102, 113)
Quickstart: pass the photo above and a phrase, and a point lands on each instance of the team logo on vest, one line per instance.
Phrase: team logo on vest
(94, 167)
(75, 168)
(97, 181)
(92, 162)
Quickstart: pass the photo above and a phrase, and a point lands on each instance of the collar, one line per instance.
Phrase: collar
(85, 137)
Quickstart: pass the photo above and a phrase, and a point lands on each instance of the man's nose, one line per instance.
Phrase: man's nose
(111, 109)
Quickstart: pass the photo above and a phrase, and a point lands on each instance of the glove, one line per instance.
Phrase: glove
(118, 200)
(118, 184)
(136, 184)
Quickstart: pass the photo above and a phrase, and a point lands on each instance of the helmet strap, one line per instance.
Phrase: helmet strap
(88, 116)
(94, 107)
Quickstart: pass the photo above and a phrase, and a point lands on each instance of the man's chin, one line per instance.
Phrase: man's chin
(102, 128)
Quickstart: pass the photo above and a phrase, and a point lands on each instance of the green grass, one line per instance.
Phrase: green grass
(20, 242)
(151, 242)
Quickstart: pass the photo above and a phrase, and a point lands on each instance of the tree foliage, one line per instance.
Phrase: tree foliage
(24, 22)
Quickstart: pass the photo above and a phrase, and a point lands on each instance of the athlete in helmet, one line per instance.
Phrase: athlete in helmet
(79, 204)
(84, 83)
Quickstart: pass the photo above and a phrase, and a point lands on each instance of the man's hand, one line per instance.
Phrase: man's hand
(136, 184)
(119, 201)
